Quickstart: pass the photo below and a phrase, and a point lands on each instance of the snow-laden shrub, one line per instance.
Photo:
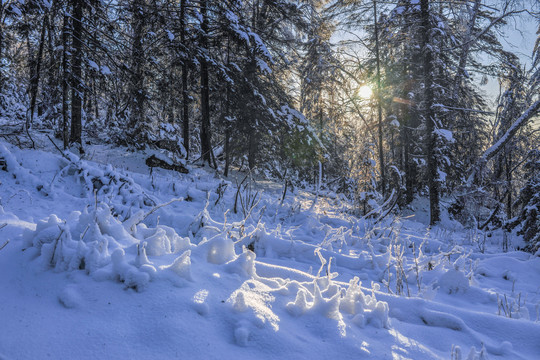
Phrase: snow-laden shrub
(364, 309)
(21, 174)
(120, 189)
(104, 247)
(85, 240)
(330, 300)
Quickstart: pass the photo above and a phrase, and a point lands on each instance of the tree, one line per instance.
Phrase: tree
(185, 94)
(76, 75)
(529, 199)
(206, 136)
(428, 113)
(138, 123)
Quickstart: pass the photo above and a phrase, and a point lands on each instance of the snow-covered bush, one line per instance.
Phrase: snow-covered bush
(107, 249)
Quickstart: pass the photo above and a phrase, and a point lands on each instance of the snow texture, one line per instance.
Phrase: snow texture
(94, 268)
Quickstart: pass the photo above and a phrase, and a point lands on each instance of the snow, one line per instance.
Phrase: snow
(93, 64)
(105, 70)
(445, 134)
(527, 114)
(94, 268)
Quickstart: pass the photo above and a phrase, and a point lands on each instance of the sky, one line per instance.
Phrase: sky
(519, 37)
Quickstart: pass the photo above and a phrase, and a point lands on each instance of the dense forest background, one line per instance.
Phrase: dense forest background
(381, 101)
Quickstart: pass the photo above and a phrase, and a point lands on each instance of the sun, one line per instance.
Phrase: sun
(365, 92)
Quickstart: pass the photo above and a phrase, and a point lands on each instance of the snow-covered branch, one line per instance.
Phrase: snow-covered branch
(522, 120)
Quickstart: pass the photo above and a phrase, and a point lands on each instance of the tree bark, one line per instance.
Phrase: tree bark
(76, 76)
(431, 139)
(137, 120)
(185, 95)
(206, 147)
(508, 165)
(65, 79)
(1, 45)
(34, 82)
(379, 106)
(227, 114)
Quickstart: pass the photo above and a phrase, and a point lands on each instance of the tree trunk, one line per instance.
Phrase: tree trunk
(185, 95)
(76, 76)
(508, 165)
(227, 114)
(137, 120)
(52, 93)
(65, 79)
(252, 150)
(1, 46)
(206, 147)
(379, 105)
(431, 140)
(34, 82)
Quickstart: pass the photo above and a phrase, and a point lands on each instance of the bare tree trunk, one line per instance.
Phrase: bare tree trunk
(379, 106)
(31, 67)
(1, 45)
(206, 147)
(406, 139)
(76, 76)
(508, 165)
(137, 119)
(52, 93)
(227, 114)
(65, 79)
(252, 149)
(95, 97)
(34, 82)
(432, 171)
(185, 95)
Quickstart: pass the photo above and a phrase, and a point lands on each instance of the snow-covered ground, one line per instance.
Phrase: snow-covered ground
(94, 267)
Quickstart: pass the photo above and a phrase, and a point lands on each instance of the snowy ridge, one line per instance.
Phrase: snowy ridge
(115, 275)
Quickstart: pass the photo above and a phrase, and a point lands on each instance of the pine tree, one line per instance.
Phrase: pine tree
(529, 198)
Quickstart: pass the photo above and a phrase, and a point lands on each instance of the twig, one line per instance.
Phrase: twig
(51, 262)
(284, 192)
(30, 136)
(157, 208)
(57, 148)
(389, 210)
(238, 188)
(5, 244)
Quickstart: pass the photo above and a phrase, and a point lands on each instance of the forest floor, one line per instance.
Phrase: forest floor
(92, 267)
